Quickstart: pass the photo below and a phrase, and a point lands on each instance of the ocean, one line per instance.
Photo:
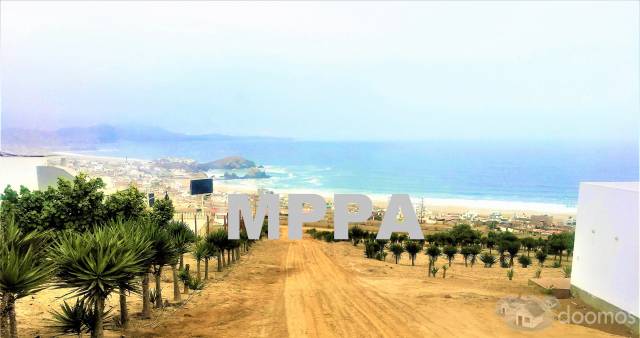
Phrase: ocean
(532, 172)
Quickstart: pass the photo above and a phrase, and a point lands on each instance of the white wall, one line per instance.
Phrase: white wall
(606, 245)
(18, 171)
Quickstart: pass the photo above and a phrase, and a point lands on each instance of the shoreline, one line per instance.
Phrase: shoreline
(443, 205)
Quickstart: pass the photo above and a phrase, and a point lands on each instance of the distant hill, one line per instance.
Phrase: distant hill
(91, 137)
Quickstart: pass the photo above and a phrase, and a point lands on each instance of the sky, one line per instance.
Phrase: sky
(537, 70)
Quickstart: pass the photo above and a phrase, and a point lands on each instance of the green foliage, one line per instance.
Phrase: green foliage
(183, 276)
(76, 205)
(556, 265)
(71, 319)
(450, 251)
(75, 319)
(538, 273)
(374, 249)
(181, 235)
(163, 211)
(510, 274)
(513, 248)
(541, 256)
(433, 252)
(97, 262)
(196, 284)
(474, 250)
(434, 271)
(217, 240)
(24, 269)
(356, 234)
(465, 251)
(525, 261)
(412, 248)
(488, 260)
(567, 271)
(444, 270)
(127, 204)
(397, 249)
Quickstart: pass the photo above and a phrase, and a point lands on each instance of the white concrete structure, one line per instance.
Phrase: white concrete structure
(29, 171)
(605, 263)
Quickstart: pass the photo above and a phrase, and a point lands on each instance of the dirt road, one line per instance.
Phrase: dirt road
(309, 288)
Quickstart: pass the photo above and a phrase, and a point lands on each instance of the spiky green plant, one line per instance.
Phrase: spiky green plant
(199, 254)
(510, 274)
(397, 250)
(567, 271)
(474, 250)
(488, 259)
(96, 263)
(541, 256)
(195, 284)
(444, 270)
(538, 273)
(433, 252)
(450, 251)
(71, 319)
(412, 248)
(218, 241)
(24, 270)
(434, 271)
(182, 238)
(525, 261)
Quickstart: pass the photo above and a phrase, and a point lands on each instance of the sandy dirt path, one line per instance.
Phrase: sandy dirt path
(310, 288)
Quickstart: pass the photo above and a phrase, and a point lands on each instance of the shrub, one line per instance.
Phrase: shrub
(434, 271)
(567, 271)
(538, 273)
(541, 256)
(510, 274)
(488, 260)
(196, 284)
(556, 265)
(524, 261)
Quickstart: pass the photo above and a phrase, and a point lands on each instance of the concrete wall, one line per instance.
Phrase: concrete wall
(606, 252)
(18, 171)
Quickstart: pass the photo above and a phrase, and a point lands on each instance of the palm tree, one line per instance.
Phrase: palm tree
(412, 248)
(450, 251)
(24, 270)
(356, 234)
(541, 256)
(433, 252)
(165, 253)
(182, 237)
(488, 259)
(397, 251)
(513, 249)
(199, 253)
(137, 238)
(474, 250)
(491, 242)
(465, 251)
(218, 240)
(96, 263)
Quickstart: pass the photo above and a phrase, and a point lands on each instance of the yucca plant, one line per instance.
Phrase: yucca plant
(474, 250)
(24, 270)
(567, 271)
(71, 319)
(538, 273)
(488, 259)
(450, 251)
(541, 256)
(434, 271)
(182, 238)
(444, 270)
(195, 284)
(525, 261)
(433, 252)
(95, 264)
(397, 250)
(510, 274)
(184, 277)
(218, 240)
(412, 248)
(165, 253)
(199, 253)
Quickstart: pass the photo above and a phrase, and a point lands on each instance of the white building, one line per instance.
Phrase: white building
(29, 171)
(605, 265)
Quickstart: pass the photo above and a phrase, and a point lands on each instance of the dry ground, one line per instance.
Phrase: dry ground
(310, 288)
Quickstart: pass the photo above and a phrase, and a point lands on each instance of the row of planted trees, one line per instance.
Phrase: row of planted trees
(126, 247)
(462, 240)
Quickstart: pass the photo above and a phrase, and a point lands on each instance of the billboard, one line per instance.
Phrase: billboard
(201, 186)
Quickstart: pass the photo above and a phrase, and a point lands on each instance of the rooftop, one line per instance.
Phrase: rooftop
(630, 186)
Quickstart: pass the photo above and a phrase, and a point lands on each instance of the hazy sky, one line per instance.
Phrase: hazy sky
(327, 70)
